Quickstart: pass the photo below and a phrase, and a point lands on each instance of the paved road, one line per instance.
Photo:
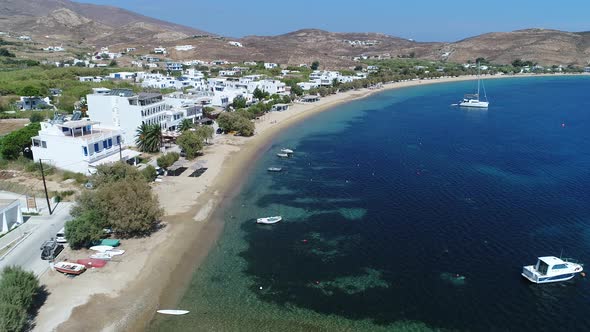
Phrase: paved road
(28, 254)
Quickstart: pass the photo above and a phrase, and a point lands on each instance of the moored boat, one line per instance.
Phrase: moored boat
(287, 151)
(69, 268)
(551, 269)
(472, 100)
(283, 155)
(115, 252)
(269, 220)
(274, 169)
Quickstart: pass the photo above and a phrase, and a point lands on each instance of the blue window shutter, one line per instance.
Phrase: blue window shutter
(104, 144)
(110, 142)
(96, 147)
(85, 150)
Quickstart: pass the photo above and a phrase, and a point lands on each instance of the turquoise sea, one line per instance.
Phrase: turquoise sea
(387, 199)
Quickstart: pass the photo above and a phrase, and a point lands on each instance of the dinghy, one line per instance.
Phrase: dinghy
(269, 220)
(173, 312)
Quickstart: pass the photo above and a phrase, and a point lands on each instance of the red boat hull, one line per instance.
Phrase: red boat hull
(92, 262)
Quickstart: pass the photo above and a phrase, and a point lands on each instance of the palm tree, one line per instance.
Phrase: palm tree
(185, 125)
(148, 138)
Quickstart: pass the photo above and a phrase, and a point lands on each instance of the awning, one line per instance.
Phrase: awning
(125, 154)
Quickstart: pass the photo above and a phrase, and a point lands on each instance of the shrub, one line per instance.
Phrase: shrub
(167, 159)
(12, 317)
(17, 291)
(191, 142)
(149, 173)
(37, 117)
(79, 177)
(13, 144)
(83, 230)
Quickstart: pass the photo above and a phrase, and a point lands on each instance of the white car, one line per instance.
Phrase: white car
(60, 237)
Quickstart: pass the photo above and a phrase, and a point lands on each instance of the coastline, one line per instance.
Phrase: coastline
(158, 269)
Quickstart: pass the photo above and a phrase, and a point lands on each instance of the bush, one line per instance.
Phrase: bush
(149, 173)
(13, 144)
(167, 159)
(79, 177)
(18, 288)
(83, 230)
(122, 200)
(191, 142)
(37, 117)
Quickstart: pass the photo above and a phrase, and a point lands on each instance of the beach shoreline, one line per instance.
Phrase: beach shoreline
(165, 262)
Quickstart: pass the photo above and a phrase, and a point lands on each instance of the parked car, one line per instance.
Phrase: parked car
(60, 237)
(50, 249)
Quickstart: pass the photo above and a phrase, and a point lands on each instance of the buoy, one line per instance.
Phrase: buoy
(583, 274)
(317, 282)
(261, 287)
(304, 241)
(563, 125)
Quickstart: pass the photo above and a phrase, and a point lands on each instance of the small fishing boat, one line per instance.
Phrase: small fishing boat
(115, 252)
(101, 248)
(173, 312)
(69, 268)
(269, 220)
(287, 151)
(283, 155)
(102, 255)
(92, 262)
(274, 169)
(551, 269)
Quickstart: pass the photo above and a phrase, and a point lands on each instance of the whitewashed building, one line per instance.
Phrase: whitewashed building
(79, 145)
(10, 215)
(270, 86)
(184, 47)
(270, 65)
(236, 44)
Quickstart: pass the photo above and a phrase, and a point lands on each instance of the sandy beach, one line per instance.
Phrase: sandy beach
(154, 271)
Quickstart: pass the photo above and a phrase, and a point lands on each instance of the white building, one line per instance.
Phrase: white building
(184, 47)
(79, 145)
(160, 50)
(270, 86)
(24, 38)
(270, 65)
(123, 75)
(173, 66)
(236, 44)
(10, 214)
(93, 79)
(124, 110)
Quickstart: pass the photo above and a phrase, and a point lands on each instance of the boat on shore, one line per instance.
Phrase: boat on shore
(101, 248)
(92, 262)
(274, 169)
(287, 151)
(102, 256)
(69, 268)
(551, 269)
(283, 155)
(173, 312)
(269, 220)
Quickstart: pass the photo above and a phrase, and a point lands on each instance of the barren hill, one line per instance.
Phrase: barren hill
(86, 27)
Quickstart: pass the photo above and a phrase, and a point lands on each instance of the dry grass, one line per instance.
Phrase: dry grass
(10, 125)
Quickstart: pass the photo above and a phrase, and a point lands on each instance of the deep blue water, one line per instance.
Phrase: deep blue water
(389, 197)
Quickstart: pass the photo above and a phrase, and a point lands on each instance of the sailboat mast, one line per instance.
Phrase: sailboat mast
(477, 80)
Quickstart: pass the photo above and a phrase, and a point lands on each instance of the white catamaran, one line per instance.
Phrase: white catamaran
(472, 100)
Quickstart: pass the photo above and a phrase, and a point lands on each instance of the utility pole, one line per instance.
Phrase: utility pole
(45, 186)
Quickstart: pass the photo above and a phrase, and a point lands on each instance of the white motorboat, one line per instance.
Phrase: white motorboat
(551, 269)
(472, 100)
(269, 220)
(173, 312)
(115, 252)
(102, 255)
(101, 248)
(274, 169)
(283, 155)
(287, 151)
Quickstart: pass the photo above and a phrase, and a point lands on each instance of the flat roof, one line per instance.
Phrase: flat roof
(77, 123)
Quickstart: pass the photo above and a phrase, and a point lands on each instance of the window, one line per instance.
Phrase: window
(105, 144)
(559, 266)
(85, 149)
(44, 144)
(96, 147)
(36, 142)
(110, 141)
(118, 140)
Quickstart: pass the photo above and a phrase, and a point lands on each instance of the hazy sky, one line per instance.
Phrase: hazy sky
(430, 20)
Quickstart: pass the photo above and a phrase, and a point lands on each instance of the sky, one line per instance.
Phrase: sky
(421, 20)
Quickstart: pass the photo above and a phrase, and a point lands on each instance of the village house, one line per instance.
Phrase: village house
(270, 65)
(173, 66)
(27, 103)
(11, 215)
(160, 50)
(236, 44)
(78, 145)
(182, 48)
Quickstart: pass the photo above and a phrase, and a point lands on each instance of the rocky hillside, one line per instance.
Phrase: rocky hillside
(84, 27)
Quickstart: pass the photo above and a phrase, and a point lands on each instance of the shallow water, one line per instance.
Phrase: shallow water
(388, 199)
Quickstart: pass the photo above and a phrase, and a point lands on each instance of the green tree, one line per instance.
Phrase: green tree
(12, 318)
(166, 160)
(185, 124)
(259, 94)
(84, 229)
(315, 65)
(37, 117)
(149, 173)
(226, 121)
(244, 126)
(205, 132)
(113, 63)
(127, 204)
(6, 53)
(113, 173)
(30, 91)
(148, 138)
(239, 102)
(191, 143)
(297, 90)
(13, 144)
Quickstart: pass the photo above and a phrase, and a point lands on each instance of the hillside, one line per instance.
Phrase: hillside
(81, 28)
